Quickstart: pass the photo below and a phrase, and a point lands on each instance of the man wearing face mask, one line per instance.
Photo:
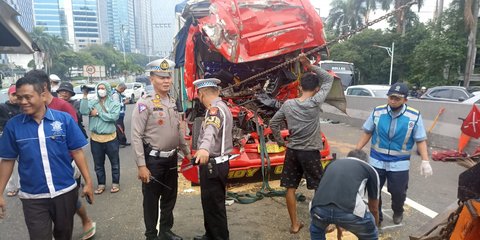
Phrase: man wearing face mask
(394, 129)
(103, 113)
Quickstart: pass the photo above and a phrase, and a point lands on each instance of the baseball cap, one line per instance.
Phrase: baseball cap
(161, 67)
(12, 89)
(399, 90)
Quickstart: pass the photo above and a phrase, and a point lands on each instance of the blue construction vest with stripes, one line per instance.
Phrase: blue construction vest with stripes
(393, 146)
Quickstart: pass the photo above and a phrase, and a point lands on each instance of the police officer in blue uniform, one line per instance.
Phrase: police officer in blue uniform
(214, 146)
(394, 129)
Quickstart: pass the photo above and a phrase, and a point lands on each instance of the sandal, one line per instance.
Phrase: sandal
(12, 193)
(115, 188)
(90, 233)
(100, 190)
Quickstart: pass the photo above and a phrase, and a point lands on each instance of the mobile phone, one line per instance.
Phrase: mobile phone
(89, 201)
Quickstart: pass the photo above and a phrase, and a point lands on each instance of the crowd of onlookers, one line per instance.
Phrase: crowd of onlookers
(107, 133)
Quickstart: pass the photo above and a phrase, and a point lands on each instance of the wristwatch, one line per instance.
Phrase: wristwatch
(97, 114)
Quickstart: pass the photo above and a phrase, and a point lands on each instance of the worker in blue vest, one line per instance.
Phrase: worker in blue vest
(393, 129)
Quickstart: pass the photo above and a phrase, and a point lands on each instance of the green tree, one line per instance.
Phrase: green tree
(50, 45)
(345, 15)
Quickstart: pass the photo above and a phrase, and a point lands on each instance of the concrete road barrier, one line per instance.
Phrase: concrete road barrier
(444, 135)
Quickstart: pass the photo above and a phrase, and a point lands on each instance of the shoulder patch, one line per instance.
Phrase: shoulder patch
(141, 107)
(213, 111)
(213, 120)
(412, 109)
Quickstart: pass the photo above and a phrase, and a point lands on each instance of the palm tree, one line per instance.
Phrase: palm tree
(371, 5)
(50, 45)
(400, 17)
(346, 15)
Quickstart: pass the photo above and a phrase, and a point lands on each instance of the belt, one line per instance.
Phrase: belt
(221, 159)
(162, 154)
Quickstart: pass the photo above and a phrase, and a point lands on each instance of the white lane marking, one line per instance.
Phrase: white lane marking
(417, 206)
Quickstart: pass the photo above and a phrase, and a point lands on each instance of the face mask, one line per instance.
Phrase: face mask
(102, 93)
(397, 108)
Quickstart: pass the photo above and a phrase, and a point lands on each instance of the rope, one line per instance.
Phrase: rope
(339, 38)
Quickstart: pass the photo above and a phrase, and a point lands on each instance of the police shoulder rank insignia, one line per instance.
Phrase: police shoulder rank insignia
(213, 111)
(213, 120)
(141, 107)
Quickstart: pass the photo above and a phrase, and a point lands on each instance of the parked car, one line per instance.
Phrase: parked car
(378, 91)
(3, 95)
(134, 91)
(79, 94)
(448, 93)
(149, 89)
(475, 99)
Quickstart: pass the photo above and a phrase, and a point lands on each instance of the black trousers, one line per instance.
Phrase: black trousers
(213, 201)
(165, 171)
(397, 186)
(40, 213)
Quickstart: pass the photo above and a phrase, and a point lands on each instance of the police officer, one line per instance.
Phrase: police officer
(156, 135)
(215, 143)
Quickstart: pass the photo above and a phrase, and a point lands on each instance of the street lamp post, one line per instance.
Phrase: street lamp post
(390, 51)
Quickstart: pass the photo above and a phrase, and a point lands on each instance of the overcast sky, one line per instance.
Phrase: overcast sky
(426, 12)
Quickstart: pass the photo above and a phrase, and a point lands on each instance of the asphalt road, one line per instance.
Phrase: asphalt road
(119, 215)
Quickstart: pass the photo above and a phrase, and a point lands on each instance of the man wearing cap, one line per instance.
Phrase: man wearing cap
(156, 135)
(214, 146)
(55, 83)
(8, 110)
(65, 92)
(394, 129)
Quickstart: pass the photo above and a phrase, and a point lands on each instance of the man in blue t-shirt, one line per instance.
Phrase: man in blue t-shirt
(44, 141)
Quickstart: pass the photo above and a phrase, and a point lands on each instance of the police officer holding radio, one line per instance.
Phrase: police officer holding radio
(156, 135)
(214, 146)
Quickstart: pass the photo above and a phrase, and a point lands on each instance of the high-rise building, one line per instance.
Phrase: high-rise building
(163, 26)
(155, 26)
(24, 8)
(118, 15)
(50, 15)
(86, 28)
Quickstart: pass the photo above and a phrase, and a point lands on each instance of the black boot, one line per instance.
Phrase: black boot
(397, 218)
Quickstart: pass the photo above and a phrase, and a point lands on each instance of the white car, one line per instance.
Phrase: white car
(378, 91)
(134, 91)
(79, 94)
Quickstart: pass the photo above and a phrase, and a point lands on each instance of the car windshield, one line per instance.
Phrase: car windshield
(380, 93)
(129, 86)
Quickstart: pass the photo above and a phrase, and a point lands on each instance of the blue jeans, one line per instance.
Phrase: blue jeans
(364, 228)
(99, 150)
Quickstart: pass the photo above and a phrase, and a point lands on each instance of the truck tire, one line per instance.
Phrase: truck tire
(197, 125)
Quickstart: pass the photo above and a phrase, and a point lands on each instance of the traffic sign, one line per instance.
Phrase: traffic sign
(90, 69)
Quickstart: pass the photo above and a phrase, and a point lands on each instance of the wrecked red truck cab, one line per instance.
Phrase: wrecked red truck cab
(232, 41)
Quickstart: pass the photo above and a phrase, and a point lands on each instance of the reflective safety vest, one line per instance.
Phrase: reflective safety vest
(396, 145)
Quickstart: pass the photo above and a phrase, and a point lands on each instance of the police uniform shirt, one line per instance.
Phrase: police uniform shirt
(43, 151)
(211, 134)
(157, 122)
